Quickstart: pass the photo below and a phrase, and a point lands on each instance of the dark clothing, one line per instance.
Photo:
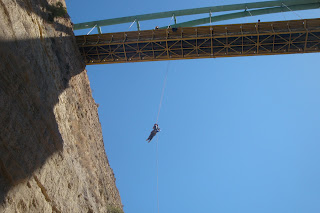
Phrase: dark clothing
(174, 29)
(152, 134)
(155, 130)
(156, 127)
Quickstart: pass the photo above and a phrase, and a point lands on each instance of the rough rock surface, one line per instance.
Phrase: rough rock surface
(52, 157)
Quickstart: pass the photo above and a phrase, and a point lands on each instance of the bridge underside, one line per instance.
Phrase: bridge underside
(252, 39)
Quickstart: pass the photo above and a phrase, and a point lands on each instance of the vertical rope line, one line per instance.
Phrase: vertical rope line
(157, 175)
(162, 93)
(157, 152)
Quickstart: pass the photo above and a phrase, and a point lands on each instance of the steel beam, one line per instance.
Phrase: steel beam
(204, 10)
(245, 14)
(251, 39)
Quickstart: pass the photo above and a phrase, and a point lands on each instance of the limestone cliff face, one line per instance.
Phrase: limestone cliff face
(52, 157)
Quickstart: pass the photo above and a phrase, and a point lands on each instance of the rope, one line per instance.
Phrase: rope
(170, 20)
(157, 175)
(157, 153)
(164, 85)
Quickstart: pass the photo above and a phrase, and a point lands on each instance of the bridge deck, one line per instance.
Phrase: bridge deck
(263, 38)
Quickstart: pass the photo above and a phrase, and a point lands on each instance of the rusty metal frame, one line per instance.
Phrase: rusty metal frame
(252, 39)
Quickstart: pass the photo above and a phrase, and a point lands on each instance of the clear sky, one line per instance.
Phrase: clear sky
(239, 135)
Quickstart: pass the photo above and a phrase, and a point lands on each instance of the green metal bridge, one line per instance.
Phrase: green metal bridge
(187, 40)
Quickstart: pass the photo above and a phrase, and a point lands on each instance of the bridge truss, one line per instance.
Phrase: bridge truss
(252, 39)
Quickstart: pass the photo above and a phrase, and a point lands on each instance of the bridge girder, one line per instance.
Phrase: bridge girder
(255, 8)
(251, 39)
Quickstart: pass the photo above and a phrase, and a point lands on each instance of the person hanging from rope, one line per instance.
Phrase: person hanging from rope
(155, 130)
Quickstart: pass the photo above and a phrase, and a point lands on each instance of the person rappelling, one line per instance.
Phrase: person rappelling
(153, 133)
(156, 128)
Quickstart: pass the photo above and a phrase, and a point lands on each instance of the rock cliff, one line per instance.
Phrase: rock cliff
(52, 157)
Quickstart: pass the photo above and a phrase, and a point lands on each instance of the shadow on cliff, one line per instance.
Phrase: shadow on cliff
(33, 73)
(46, 11)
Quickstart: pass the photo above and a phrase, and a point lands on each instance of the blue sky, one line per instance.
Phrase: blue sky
(238, 134)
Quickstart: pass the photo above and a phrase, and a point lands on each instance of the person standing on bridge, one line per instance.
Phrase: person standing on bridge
(153, 133)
